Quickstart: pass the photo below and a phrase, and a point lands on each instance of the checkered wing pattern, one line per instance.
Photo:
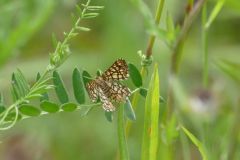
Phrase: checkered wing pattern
(107, 88)
(118, 71)
(107, 104)
(92, 90)
(118, 92)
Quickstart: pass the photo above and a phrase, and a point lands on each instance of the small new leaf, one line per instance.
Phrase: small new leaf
(83, 29)
(90, 15)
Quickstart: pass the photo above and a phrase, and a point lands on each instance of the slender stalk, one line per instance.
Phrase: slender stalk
(124, 155)
(183, 33)
(177, 51)
(157, 20)
(205, 47)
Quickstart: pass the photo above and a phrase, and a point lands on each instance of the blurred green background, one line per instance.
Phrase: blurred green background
(26, 28)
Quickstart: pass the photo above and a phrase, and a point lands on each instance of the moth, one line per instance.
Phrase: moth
(107, 87)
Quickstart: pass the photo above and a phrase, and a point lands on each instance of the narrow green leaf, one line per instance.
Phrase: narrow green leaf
(143, 92)
(78, 87)
(195, 141)
(128, 110)
(217, 8)
(83, 29)
(69, 107)
(59, 88)
(90, 15)
(86, 77)
(49, 107)
(135, 75)
(20, 86)
(109, 116)
(11, 116)
(232, 69)
(150, 133)
(99, 72)
(29, 110)
(95, 8)
(14, 94)
(14, 89)
(22, 81)
(170, 28)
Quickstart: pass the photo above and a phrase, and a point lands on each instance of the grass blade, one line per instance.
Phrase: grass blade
(195, 141)
(150, 133)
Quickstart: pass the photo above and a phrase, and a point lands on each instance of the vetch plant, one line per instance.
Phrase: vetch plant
(167, 127)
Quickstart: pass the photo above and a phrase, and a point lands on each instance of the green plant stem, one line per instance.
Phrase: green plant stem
(157, 21)
(177, 51)
(205, 46)
(176, 56)
(148, 54)
(123, 149)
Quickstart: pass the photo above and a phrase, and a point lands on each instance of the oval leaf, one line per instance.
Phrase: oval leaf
(78, 88)
(11, 116)
(86, 77)
(128, 110)
(135, 75)
(99, 72)
(109, 116)
(49, 107)
(143, 92)
(29, 110)
(69, 107)
(59, 88)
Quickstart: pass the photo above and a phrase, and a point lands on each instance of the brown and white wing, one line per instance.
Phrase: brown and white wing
(118, 92)
(107, 104)
(118, 71)
(92, 90)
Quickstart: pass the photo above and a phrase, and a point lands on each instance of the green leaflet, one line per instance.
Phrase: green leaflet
(78, 87)
(135, 75)
(59, 88)
(69, 107)
(109, 116)
(29, 110)
(128, 110)
(49, 107)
